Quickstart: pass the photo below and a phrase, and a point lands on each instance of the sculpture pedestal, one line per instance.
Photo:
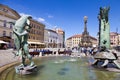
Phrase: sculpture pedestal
(25, 69)
(113, 69)
(106, 60)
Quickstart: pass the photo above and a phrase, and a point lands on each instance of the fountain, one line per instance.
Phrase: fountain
(104, 54)
(56, 67)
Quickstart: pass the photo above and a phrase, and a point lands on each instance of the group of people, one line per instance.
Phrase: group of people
(88, 50)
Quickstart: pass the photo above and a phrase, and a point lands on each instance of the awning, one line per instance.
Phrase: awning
(3, 42)
(31, 42)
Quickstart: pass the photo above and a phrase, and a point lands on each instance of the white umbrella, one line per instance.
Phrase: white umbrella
(3, 42)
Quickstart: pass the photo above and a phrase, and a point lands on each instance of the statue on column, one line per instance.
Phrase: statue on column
(104, 27)
(21, 30)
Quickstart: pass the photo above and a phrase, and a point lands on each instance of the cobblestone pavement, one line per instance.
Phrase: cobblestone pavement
(6, 57)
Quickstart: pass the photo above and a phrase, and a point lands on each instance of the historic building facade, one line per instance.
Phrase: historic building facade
(75, 41)
(36, 35)
(7, 15)
(68, 43)
(54, 38)
(119, 39)
(51, 38)
(114, 39)
(61, 38)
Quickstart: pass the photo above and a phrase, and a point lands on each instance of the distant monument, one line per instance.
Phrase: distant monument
(20, 32)
(85, 40)
(104, 27)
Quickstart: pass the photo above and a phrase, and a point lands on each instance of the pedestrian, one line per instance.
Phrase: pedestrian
(85, 51)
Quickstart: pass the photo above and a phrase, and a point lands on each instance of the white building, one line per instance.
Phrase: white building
(54, 38)
(60, 41)
(61, 37)
(50, 38)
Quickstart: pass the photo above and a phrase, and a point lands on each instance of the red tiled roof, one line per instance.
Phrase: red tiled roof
(69, 38)
(75, 36)
(93, 38)
(114, 33)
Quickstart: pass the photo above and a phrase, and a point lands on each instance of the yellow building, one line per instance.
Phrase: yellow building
(75, 41)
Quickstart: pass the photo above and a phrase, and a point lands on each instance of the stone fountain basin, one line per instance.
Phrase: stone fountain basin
(62, 68)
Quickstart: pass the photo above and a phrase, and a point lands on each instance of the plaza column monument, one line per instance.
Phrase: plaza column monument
(85, 39)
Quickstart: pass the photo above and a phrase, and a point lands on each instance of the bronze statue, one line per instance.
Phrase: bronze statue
(104, 55)
(104, 13)
(104, 27)
(20, 32)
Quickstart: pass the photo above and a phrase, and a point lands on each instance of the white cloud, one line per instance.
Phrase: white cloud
(40, 19)
(34, 17)
(48, 25)
(22, 14)
(50, 16)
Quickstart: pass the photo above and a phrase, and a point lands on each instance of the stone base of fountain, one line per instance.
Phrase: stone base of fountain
(25, 69)
(105, 61)
(113, 69)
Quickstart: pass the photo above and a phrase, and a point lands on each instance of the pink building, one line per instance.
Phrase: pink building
(113, 39)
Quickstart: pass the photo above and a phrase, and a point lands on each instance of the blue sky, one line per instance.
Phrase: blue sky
(68, 14)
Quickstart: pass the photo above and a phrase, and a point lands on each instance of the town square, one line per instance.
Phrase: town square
(59, 40)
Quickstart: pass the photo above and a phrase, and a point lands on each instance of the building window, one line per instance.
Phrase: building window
(4, 33)
(4, 24)
(11, 26)
(32, 31)
(10, 34)
(31, 25)
(29, 36)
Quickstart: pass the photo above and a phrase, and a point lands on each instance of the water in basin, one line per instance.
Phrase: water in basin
(65, 68)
